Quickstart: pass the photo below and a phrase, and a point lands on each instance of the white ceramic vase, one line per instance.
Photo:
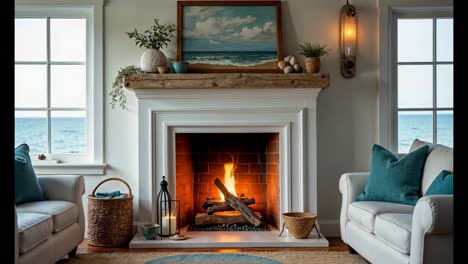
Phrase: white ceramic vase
(151, 59)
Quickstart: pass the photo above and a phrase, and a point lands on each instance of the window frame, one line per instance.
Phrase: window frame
(434, 63)
(388, 72)
(93, 161)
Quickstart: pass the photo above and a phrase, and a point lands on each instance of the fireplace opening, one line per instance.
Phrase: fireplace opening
(228, 181)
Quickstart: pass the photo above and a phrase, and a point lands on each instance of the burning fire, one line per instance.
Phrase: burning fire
(229, 181)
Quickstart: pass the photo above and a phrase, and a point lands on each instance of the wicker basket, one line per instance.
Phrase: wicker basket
(110, 221)
(299, 224)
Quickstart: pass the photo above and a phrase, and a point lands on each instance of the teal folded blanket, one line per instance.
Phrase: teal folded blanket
(114, 194)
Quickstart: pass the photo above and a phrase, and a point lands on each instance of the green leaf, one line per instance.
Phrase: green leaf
(117, 93)
(313, 50)
(154, 37)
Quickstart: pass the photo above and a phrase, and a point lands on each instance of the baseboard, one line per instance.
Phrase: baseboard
(330, 227)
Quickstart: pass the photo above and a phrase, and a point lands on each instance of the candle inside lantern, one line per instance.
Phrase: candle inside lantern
(165, 225)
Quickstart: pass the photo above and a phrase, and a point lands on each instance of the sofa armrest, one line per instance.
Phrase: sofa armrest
(65, 188)
(432, 230)
(351, 185)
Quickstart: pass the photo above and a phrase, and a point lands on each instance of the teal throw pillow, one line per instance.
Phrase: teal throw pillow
(392, 179)
(27, 188)
(442, 184)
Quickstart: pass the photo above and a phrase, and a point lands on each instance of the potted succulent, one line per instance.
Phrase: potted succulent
(153, 40)
(312, 54)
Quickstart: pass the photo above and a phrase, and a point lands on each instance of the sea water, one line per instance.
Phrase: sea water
(69, 134)
(421, 126)
(232, 58)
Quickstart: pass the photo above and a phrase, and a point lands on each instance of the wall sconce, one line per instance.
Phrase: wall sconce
(348, 40)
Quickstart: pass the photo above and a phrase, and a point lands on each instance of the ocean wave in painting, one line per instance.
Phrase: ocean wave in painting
(231, 58)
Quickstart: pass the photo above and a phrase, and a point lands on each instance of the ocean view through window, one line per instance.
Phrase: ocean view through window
(51, 84)
(424, 84)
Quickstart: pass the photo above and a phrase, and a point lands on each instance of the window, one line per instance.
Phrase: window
(50, 84)
(422, 71)
(58, 81)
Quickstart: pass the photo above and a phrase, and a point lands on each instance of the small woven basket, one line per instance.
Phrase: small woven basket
(110, 220)
(299, 224)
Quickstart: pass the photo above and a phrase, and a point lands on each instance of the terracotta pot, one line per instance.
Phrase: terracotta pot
(151, 59)
(312, 64)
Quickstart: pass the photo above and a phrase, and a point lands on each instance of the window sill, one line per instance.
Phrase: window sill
(70, 168)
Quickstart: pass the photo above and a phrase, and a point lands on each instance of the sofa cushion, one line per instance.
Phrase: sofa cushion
(27, 187)
(32, 230)
(392, 179)
(441, 185)
(63, 213)
(440, 158)
(364, 213)
(395, 230)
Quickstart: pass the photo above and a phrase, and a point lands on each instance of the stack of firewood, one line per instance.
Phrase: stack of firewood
(231, 203)
(214, 204)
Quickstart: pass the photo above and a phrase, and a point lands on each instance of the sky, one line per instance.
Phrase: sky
(232, 28)
(415, 44)
(67, 82)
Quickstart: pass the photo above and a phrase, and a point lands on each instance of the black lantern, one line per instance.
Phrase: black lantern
(168, 213)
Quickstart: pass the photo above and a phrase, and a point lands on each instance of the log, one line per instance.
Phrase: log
(210, 203)
(222, 218)
(237, 204)
(226, 207)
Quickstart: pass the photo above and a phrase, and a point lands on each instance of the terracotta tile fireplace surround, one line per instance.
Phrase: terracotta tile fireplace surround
(263, 140)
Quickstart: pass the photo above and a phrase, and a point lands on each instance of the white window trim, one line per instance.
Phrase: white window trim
(93, 162)
(388, 9)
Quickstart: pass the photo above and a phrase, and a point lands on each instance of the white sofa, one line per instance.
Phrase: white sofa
(383, 232)
(46, 231)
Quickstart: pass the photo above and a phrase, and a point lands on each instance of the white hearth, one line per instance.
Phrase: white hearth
(229, 239)
(290, 112)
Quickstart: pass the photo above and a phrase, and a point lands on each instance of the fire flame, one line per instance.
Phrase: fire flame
(229, 181)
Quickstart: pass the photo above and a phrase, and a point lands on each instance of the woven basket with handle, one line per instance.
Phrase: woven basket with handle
(110, 220)
(299, 224)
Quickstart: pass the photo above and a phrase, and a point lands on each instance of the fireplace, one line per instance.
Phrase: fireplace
(188, 135)
(246, 163)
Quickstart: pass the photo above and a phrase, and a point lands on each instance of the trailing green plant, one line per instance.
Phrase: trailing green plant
(313, 50)
(155, 37)
(117, 93)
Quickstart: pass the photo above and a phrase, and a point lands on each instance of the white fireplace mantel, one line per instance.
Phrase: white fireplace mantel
(229, 103)
(290, 112)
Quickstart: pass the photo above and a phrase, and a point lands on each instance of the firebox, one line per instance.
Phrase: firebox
(246, 164)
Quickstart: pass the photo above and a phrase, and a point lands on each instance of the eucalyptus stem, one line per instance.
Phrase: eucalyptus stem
(154, 38)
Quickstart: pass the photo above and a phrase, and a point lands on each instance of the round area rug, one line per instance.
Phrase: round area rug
(283, 256)
(213, 259)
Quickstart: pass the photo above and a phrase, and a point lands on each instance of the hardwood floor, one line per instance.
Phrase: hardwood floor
(336, 244)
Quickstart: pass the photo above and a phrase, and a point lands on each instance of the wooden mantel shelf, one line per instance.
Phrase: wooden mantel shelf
(227, 80)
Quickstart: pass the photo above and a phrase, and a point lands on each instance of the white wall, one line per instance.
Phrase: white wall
(347, 110)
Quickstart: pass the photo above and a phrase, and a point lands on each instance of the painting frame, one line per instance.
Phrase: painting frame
(219, 68)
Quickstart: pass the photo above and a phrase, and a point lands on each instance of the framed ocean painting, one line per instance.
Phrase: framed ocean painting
(229, 36)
